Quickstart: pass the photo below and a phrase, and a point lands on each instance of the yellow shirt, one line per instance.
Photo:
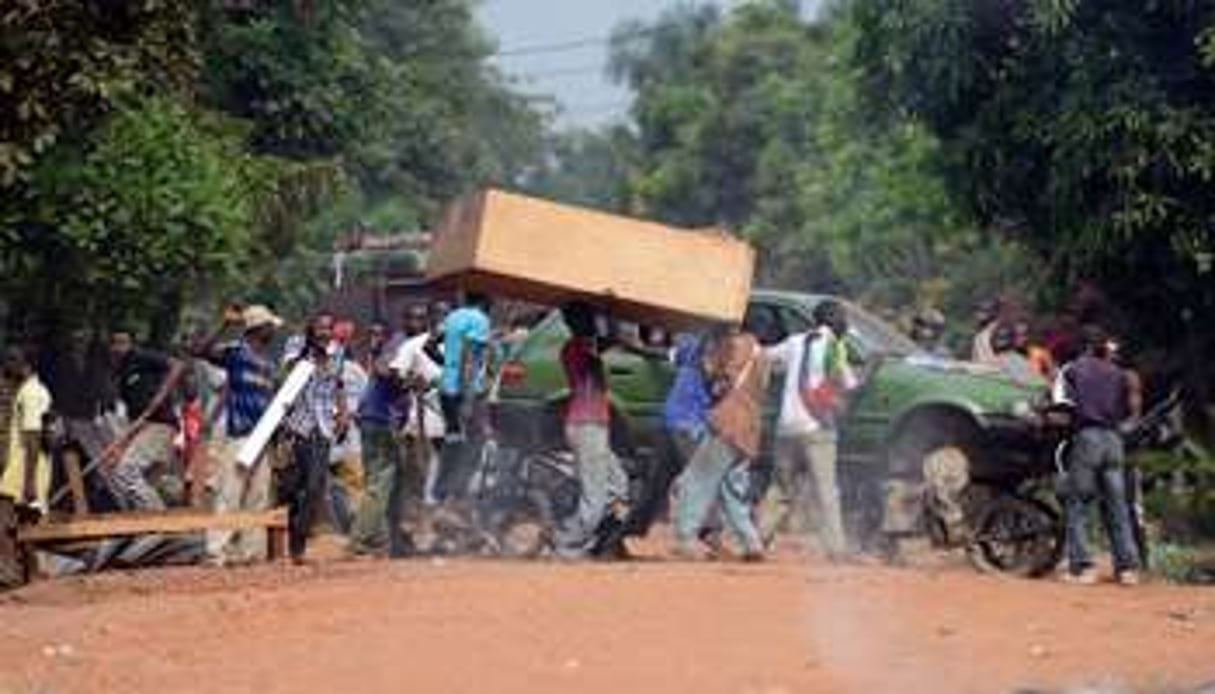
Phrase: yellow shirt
(29, 405)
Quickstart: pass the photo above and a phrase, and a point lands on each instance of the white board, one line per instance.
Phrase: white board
(256, 442)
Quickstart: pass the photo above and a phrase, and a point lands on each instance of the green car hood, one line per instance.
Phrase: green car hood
(978, 388)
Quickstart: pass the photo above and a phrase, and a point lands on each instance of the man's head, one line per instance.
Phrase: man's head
(831, 314)
(439, 309)
(1022, 334)
(260, 324)
(416, 319)
(1096, 341)
(927, 326)
(377, 336)
(720, 331)
(17, 363)
(320, 330)
(121, 344)
(579, 316)
(759, 321)
(78, 344)
(1003, 338)
(986, 311)
(343, 332)
(478, 300)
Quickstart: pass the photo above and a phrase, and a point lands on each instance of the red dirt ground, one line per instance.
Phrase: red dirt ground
(789, 625)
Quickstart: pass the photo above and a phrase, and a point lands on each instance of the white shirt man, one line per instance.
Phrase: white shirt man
(817, 375)
(413, 363)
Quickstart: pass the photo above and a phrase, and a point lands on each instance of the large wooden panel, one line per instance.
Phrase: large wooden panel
(526, 248)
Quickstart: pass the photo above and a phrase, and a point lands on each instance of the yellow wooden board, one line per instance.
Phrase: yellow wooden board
(526, 248)
(117, 524)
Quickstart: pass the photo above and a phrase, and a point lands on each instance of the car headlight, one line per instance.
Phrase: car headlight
(1024, 409)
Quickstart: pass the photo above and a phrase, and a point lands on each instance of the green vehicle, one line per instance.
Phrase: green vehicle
(912, 412)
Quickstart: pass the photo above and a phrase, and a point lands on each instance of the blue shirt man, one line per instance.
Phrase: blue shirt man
(250, 387)
(383, 401)
(466, 328)
(687, 405)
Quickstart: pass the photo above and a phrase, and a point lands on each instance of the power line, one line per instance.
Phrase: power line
(562, 47)
(598, 69)
(573, 45)
(591, 109)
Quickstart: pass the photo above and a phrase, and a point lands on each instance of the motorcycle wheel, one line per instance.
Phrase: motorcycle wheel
(524, 536)
(1017, 536)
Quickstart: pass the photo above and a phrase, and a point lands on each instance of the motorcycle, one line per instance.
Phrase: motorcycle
(1018, 528)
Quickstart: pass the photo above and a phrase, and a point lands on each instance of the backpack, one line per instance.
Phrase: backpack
(824, 400)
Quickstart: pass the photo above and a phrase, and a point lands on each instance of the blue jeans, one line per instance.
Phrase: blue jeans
(1096, 472)
(718, 476)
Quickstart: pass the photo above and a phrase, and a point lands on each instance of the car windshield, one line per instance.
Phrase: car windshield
(876, 336)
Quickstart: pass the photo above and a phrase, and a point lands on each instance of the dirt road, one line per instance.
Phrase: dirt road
(791, 625)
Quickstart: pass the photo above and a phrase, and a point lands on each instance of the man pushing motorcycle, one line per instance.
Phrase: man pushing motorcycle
(1100, 396)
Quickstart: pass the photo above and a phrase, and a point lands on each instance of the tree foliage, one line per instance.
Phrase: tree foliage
(158, 205)
(63, 66)
(1083, 129)
(586, 167)
(156, 152)
(752, 120)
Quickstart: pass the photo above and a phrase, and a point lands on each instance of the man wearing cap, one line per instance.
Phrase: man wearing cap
(250, 371)
(928, 331)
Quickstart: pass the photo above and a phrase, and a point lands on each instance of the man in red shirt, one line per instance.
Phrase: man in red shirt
(587, 431)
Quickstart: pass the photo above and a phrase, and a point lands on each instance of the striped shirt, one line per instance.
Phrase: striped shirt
(315, 410)
(250, 387)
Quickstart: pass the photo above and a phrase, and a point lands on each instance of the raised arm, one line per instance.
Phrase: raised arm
(172, 378)
(205, 349)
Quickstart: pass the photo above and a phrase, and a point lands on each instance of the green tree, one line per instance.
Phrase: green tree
(586, 167)
(1083, 129)
(160, 205)
(753, 120)
(394, 97)
(64, 65)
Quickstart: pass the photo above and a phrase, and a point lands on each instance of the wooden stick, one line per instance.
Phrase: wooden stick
(75, 482)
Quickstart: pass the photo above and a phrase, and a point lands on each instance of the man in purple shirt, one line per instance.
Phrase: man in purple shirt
(1097, 390)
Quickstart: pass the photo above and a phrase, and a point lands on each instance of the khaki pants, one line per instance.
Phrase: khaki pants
(236, 489)
(604, 483)
(805, 489)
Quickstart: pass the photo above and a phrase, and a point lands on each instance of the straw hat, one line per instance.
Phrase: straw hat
(257, 316)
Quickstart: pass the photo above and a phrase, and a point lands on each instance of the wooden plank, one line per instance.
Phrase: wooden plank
(115, 524)
(255, 443)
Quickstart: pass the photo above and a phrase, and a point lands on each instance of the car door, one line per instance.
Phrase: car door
(638, 386)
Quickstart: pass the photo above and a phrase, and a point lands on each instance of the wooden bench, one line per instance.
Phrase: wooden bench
(100, 526)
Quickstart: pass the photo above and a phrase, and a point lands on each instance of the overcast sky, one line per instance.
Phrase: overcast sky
(574, 75)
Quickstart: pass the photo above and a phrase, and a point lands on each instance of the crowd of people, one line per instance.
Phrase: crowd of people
(146, 430)
(385, 425)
